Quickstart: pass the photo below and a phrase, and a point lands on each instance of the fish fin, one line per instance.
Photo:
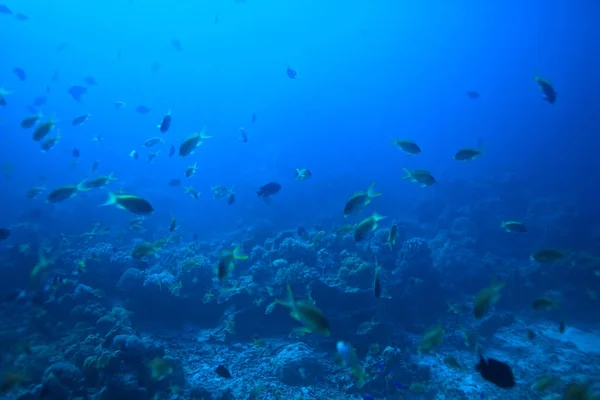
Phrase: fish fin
(407, 174)
(371, 191)
(81, 187)
(112, 199)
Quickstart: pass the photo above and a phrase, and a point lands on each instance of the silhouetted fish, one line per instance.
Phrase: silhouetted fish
(253, 117)
(5, 10)
(269, 189)
(90, 81)
(20, 73)
(231, 199)
(61, 47)
(176, 44)
(155, 67)
(21, 17)
(301, 231)
(223, 372)
(4, 233)
(172, 151)
(291, 73)
(473, 95)
(174, 182)
(142, 110)
(497, 372)
(76, 92)
(76, 152)
(40, 101)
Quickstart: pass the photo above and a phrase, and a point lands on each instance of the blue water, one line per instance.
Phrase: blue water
(366, 71)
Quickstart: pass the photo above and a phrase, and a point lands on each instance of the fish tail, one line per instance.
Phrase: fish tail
(371, 191)
(407, 174)
(81, 186)
(237, 255)
(111, 177)
(112, 200)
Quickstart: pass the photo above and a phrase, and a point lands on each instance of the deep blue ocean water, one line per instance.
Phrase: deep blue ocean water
(366, 71)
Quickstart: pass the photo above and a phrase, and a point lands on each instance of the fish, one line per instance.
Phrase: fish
(419, 176)
(62, 193)
(513, 226)
(231, 199)
(305, 312)
(303, 174)
(365, 228)
(549, 94)
(176, 45)
(223, 372)
(189, 145)
(134, 154)
(175, 182)
(227, 262)
(20, 73)
(152, 156)
(5, 10)
(292, 74)
(347, 355)
(4, 233)
(547, 255)
(119, 104)
(531, 334)
(155, 67)
(29, 122)
(134, 204)
(43, 129)
(301, 231)
(253, 118)
(153, 141)
(391, 239)
(467, 153)
(21, 17)
(191, 170)
(141, 109)
(40, 101)
(76, 92)
(360, 199)
(34, 192)
(96, 183)
(173, 225)
(544, 303)
(496, 372)
(172, 151)
(243, 137)
(473, 95)
(486, 298)
(165, 123)
(90, 80)
(377, 282)
(95, 165)
(50, 142)
(406, 145)
(80, 120)
(268, 190)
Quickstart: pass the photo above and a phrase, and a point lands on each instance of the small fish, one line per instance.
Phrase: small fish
(119, 104)
(253, 117)
(77, 121)
(303, 174)
(243, 137)
(21, 17)
(61, 46)
(406, 145)
(62, 193)
(292, 74)
(377, 283)
(49, 143)
(189, 145)
(76, 92)
(231, 199)
(360, 199)
(173, 225)
(20, 73)
(223, 372)
(268, 190)
(29, 122)
(191, 170)
(95, 165)
(547, 89)
(142, 109)
(419, 176)
(43, 129)
(365, 228)
(513, 226)
(562, 326)
(391, 239)
(176, 45)
(152, 156)
(227, 262)
(547, 255)
(5, 10)
(172, 151)
(486, 298)
(301, 231)
(496, 372)
(192, 192)
(544, 303)
(134, 154)
(40, 101)
(134, 204)
(90, 80)
(216, 19)
(155, 67)
(165, 123)
(4, 233)
(347, 355)
(531, 334)
(175, 182)
(305, 312)
(473, 95)
(468, 153)
(153, 141)
(96, 183)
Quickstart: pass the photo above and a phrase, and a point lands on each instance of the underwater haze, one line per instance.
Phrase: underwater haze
(259, 199)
